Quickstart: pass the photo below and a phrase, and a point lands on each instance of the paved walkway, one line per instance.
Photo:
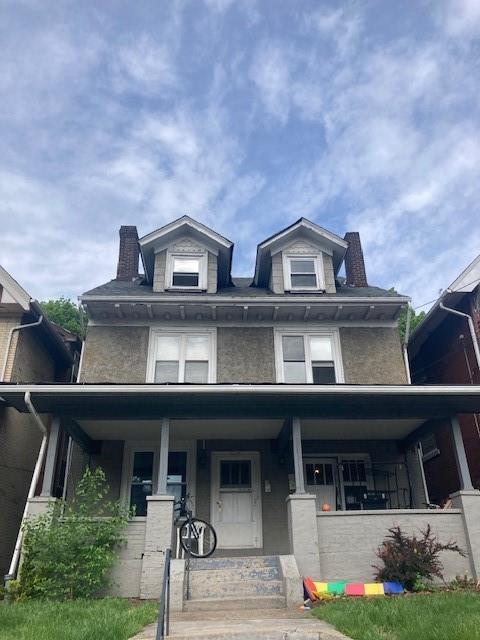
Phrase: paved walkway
(261, 624)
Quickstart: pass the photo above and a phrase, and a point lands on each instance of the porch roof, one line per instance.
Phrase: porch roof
(152, 401)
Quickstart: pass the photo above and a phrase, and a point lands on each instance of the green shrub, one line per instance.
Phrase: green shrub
(410, 560)
(68, 551)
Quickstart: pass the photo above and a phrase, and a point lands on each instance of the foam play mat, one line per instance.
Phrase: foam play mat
(317, 590)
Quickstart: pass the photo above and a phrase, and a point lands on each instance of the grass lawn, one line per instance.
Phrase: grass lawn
(438, 616)
(108, 619)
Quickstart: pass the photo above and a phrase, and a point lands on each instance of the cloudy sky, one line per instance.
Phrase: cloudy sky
(245, 114)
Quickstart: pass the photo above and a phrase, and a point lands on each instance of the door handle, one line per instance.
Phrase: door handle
(219, 504)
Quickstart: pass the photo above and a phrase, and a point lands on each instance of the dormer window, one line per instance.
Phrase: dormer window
(303, 273)
(186, 272)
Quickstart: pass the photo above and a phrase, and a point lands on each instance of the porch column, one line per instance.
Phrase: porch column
(460, 456)
(158, 527)
(298, 455)
(49, 469)
(302, 515)
(163, 462)
(467, 499)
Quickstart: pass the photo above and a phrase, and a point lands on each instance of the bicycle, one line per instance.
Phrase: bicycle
(197, 537)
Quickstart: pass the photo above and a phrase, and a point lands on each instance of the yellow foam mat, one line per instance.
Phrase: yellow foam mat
(321, 587)
(374, 589)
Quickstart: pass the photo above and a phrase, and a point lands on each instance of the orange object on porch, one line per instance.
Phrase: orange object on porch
(326, 506)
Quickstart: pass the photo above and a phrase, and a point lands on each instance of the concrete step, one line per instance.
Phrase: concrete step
(220, 576)
(247, 562)
(245, 602)
(233, 588)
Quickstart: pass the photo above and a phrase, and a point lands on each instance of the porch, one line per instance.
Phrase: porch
(322, 486)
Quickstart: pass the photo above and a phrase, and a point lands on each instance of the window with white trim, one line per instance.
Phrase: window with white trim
(182, 357)
(309, 358)
(303, 273)
(186, 271)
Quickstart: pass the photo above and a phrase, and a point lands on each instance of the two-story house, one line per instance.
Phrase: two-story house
(444, 349)
(32, 349)
(278, 403)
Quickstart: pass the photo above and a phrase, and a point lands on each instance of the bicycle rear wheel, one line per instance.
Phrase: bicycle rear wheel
(198, 538)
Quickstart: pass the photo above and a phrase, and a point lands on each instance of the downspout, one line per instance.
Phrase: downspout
(405, 346)
(471, 326)
(33, 484)
(9, 341)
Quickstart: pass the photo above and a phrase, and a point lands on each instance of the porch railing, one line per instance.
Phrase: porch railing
(164, 609)
(356, 484)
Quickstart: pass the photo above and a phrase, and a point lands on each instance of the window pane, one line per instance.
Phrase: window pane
(294, 372)
(328, 474)
(168, 348)
(302, 266)
(197, 348)
(177, 474)
(186, 265)
(309, 469)
(235, 474)
(185, 280)
(141, 481)
(196, 372)
(293, 348)
(319, 479)
(321, 348)
(323, 373)
(166, 372)
(304, 280)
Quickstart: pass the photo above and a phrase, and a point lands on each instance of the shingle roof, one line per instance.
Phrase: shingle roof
(241, 287)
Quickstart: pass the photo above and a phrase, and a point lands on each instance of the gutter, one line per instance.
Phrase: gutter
(221, 300)
(471, 326)
(9, 341)
(33, 484)
(237, 389)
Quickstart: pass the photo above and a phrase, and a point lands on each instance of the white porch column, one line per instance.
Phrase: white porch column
(163, 462)
(49, 469)
(158, 530)
(298, 455)
(467, 499)
(460, 456)
(302, 515)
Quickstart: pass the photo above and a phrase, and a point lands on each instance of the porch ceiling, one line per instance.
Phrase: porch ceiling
(253, 429)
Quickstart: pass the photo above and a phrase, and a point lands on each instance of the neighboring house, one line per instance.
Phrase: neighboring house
(267, 400)
(41, 352)
(444, 350)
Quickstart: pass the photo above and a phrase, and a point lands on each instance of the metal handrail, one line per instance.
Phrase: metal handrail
(164, 609)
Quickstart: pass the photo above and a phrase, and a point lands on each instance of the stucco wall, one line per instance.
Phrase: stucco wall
(115, 354)
(159, 270)
(32, 361)
(348, 540)
(372, 355)
(245, 355)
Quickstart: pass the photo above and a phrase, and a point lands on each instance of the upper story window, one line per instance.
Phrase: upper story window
(186, 272)
(308, 358)
(182, 356)
(303, 273)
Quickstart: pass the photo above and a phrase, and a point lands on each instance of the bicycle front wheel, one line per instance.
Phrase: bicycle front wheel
(198, 538)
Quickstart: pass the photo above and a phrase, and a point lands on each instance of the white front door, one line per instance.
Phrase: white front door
(320, 479)
(236, 500)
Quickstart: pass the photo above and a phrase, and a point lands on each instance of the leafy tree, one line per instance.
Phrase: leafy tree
(415, 320)
(67, 314)
(68, 551)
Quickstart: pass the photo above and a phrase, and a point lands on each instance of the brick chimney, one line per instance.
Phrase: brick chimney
(354, 263)
(127, 268)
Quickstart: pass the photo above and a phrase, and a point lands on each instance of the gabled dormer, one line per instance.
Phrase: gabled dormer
(186, 256)
(303, 258)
